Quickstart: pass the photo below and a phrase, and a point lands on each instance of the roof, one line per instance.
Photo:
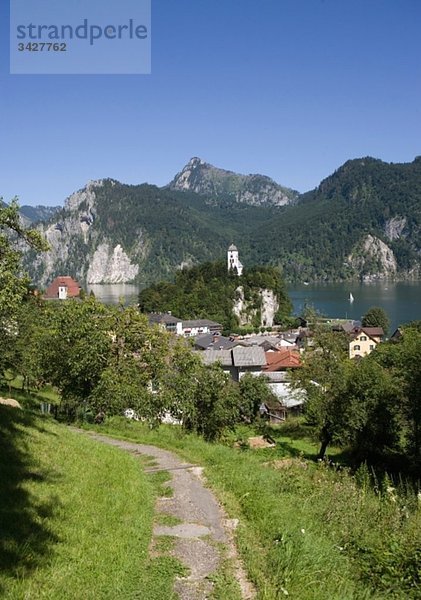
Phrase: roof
(163, 318)
(216, 342)
(276, 376)
(372, 332)
(232, 248)
(248, 356)
(201, 323)
(73, 288)
(222, 356)
(283, 359)
(240, 356)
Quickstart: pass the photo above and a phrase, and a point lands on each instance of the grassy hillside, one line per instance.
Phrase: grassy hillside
(75, 517)
(308, 531)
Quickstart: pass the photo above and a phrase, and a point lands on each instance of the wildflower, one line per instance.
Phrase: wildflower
(303, 531)
(284, 591)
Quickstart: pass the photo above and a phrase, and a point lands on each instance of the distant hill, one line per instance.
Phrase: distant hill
(35, 214)
(110, 232)
(364, 221)
(218, 184)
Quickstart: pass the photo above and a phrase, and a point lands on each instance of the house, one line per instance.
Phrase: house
(289, 401)
(287, 339)
(166, 321)
(238, 360)
(199, 327)
(267, 342)
(62, 288)
(363, 340)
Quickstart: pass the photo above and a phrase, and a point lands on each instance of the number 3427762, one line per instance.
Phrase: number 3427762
(42, 47)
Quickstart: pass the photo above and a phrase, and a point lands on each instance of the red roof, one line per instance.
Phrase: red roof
(73, 288)
(283, 359)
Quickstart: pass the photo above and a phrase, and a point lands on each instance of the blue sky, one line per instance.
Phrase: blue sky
(287, 88)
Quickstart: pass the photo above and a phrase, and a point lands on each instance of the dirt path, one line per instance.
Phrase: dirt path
(203, 526)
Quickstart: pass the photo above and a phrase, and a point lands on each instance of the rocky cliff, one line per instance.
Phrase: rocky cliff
(263, 307)
(373, 259)
(79, 248)
(256, 190)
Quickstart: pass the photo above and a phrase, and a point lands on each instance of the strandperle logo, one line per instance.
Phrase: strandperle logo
(86, 37)
(84, 31)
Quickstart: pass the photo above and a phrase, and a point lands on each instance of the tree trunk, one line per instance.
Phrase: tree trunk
(326, 438)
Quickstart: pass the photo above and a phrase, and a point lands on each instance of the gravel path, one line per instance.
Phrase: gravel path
(203, 523)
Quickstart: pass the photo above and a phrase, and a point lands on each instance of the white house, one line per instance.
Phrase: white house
(197, 327)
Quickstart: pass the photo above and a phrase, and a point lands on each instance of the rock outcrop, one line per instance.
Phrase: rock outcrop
(265, 307)
(109, 265)
(255, 190)
(373, 259)
(79, 248)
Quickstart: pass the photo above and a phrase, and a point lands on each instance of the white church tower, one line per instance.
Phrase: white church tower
(233, 260)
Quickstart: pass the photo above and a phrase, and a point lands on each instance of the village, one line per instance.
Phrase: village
(272, 353)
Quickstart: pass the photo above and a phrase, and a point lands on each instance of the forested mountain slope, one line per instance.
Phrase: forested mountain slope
(109, 232)
(362, 221)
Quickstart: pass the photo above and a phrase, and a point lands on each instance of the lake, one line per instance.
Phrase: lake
(401, 300)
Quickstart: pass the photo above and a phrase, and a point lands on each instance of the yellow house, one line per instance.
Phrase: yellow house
(364, 340)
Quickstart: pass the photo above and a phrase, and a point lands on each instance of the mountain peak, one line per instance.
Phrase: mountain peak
(203, 178)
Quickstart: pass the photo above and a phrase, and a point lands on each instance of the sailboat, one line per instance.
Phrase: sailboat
(351, 297)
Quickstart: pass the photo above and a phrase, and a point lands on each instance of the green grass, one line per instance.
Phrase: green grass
(75, 517)
(306, 530)
(13, 389)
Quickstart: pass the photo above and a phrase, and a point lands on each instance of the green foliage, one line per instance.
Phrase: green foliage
(306, 528)
(313, 239)
(75, 517)
(254, 391)
(14, 285)
(323, 376)
(373, 396)
(216, 406)
(403, 360)
(209, 291)
(376, 317)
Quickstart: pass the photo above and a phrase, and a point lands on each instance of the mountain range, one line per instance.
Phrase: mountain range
(363, 221)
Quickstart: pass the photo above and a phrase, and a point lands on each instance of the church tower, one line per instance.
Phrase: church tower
(233, 260)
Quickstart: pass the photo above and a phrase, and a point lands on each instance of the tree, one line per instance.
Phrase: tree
(74, 346)
(13, 283)
(323, 376)
(254, 391)
(217, 404)
(376, 317)
(373, 394)
(403, 360)
(182, 383)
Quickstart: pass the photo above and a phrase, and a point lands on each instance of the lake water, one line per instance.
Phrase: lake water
(401, 301)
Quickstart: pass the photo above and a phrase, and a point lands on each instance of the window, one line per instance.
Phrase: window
(357, 347)
(363, 338)
(371, 346)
